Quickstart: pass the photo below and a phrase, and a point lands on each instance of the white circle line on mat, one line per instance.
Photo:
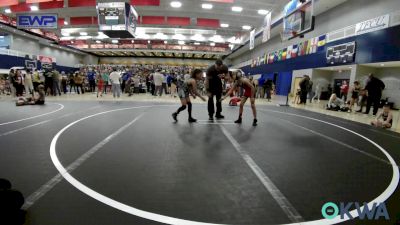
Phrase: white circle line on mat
(44, 114)
(171, 220)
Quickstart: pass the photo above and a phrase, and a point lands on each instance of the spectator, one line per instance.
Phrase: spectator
(318, 92)
(304, 84)
(56, 82)
(78, 79)
(64, 81)
(374, 92)
(11, 202)
(115, 78)
(158, 82)
(355, 94)
(384, 119)
(309, 90)
(268, 88)
(91, 76)
(164, 83)
(18, 83)
(72, 84)
(11, 76)
(48, 83)
(334, 103)
(344, 90)
(36, 80)
(28, 82)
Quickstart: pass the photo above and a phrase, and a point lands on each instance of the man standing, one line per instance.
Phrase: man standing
(91, 75)
(115, 77)
(374, 91)
(214, 88)
(304, 83)
(158, 81)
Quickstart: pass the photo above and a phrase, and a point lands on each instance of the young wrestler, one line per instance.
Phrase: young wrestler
(185, 88)
(249, 92)
(384, 119)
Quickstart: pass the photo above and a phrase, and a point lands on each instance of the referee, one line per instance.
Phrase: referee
(214, 88)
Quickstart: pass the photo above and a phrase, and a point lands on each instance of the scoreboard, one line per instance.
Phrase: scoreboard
(341, 54)
(117, 19)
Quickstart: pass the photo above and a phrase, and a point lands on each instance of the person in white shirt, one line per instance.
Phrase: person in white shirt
(28, 83)
(116, 83)
(158, 80)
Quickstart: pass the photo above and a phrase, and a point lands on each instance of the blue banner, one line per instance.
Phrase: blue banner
(37, 21)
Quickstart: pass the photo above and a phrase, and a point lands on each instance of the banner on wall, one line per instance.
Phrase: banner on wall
(374, 24)
(267, 28)
(46, 59)
(252, 38)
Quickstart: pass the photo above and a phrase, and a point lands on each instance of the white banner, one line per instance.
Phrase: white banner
(267, 28)
(374, 24)
(252, 38)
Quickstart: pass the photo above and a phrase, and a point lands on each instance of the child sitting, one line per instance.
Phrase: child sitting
(384, 119)
(38, 99)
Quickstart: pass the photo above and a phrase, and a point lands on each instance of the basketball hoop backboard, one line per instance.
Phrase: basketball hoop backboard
(298, 19)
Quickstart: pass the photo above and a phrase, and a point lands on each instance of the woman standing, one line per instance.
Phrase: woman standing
(100, 84)
(187, 87)
(249, 92)
(355, 93)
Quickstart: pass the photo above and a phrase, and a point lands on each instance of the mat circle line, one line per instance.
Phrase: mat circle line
(171, 220)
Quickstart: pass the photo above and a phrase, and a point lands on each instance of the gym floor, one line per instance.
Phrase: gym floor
(84, 163)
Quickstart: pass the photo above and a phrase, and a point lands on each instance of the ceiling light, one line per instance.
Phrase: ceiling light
(165, 42)
(224, 25)
(83, 33)
(132, 41)
(263, 12)
(180, 37)
(34, 8)
(181, 42)
(65, 22)
(198, 37)
(160, 36)
(217, 38)
(237, 9)
(83, 37)
(114, 41)
(207, 6)
(246, 27)
(212, 44)
(98, 42)
(7, 10)
(197, 43)
(149, 42)
(176, 4)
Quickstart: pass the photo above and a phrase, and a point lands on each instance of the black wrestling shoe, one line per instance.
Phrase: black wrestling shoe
(219, 116)
(255, 122)
(211, 118)
(239, 121)
(191, 120)
(175, 116)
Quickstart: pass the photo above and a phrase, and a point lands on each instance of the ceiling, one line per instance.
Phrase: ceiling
(77, 16)
(149, 11)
